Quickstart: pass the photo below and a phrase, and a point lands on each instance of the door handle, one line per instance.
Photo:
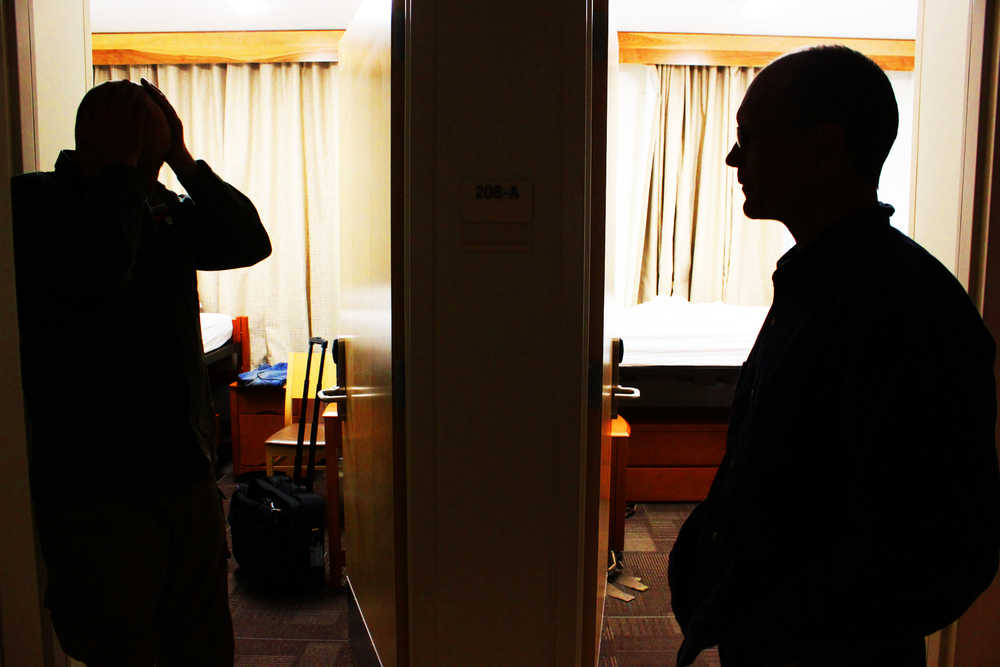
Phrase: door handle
(336, 395)
(332, 394)
(630, 393)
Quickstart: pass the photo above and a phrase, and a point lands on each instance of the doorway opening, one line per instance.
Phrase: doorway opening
(691, 275)
(258, 95)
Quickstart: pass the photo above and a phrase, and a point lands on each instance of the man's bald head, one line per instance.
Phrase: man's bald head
(836, 85)
(119, 118)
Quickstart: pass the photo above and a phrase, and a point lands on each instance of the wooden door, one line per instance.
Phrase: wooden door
(599, 349)
(374, 484)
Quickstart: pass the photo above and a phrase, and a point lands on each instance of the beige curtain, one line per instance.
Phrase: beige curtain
(691, 235)
(637, 102)
(270, 131)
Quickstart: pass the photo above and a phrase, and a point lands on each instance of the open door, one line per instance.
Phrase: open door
(605, 65)
(369, 346)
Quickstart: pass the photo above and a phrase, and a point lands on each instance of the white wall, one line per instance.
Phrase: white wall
(185, 15)
(62, 73)
(945, 131)
(845, 18)
(896, 19)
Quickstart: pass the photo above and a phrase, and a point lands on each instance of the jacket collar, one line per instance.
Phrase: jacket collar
(822, 264)
(67, 165)
(68, 170)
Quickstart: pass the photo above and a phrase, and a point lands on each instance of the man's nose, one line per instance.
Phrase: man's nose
(734, 154)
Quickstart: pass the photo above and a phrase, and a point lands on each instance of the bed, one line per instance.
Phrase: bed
(685, 359)
(685, 355)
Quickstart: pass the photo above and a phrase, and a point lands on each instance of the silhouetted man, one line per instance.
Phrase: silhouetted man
(856, 509)
(116, 391)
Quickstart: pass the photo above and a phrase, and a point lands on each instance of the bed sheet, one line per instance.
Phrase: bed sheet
(216, 330)
(669, 331)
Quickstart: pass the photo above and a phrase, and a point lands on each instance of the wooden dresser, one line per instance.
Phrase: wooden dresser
(673, 455)
(255, 413)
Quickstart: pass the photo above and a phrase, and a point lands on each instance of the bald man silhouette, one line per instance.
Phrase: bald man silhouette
(122, 474)
(856, 508)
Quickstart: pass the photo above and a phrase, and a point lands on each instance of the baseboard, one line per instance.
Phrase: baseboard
(362, 647)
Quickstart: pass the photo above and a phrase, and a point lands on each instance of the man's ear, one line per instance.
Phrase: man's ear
(831, 137)
(830, 144)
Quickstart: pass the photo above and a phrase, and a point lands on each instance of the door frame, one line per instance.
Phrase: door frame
(972, 639)
(23, 633)
(946, 128)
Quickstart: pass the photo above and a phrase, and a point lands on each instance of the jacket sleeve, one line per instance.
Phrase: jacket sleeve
(922, 531)
(221, 225)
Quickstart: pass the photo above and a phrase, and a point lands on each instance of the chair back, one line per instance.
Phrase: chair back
(295, 380)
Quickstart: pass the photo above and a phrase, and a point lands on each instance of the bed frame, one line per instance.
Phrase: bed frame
(237, 348)
(681, 386)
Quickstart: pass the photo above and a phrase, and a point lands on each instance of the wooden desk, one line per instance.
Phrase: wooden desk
(620, 433)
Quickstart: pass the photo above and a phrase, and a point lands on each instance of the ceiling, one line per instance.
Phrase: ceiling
(844, 18)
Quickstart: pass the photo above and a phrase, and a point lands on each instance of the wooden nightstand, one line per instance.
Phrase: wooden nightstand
(673, 455)
(256, 413)
(620, 432)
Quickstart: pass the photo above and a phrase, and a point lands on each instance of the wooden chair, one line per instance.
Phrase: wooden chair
(280, 446)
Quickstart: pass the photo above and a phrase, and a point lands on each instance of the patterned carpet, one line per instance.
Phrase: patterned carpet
(643, 632)
(285, 631)
(311, 630)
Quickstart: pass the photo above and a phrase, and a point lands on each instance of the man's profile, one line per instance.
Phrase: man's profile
(121, 427)
(857, 508)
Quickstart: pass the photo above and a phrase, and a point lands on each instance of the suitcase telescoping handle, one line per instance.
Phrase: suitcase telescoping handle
(311, 468)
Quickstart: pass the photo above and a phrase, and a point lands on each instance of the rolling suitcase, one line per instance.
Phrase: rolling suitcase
(278, 523)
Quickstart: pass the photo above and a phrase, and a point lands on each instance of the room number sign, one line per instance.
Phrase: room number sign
(497, 191)
(496, 200)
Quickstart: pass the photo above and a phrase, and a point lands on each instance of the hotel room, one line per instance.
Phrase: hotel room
(259, 89)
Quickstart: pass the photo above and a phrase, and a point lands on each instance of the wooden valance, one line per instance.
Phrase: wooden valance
(648, 48)
(177, 48)
(671, 48)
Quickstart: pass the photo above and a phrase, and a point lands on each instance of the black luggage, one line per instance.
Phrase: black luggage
(277, 523)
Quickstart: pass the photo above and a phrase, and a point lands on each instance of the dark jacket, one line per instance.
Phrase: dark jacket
(115, 385)
(859, 495)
